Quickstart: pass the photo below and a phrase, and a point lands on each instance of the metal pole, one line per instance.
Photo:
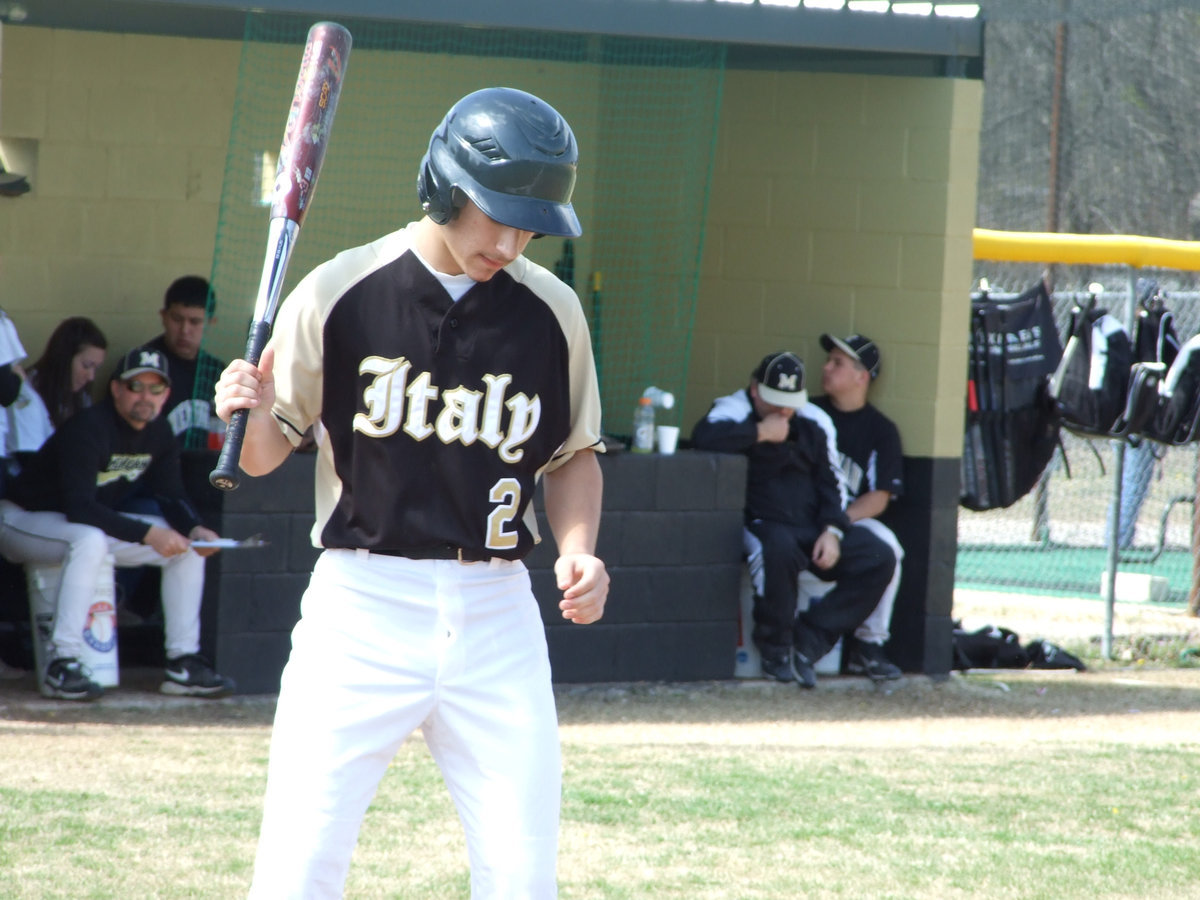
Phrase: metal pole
(1040, 532)
(1110, 565)
(1114, 514)
(1193, 601)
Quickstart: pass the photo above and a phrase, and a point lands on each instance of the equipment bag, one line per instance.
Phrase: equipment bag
(1155, 348)
(1177, 418)
(1091, 383)
(1011, 425)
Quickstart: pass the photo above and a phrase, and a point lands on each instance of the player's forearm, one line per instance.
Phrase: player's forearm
(868, 506)
(573, 494)
(265, 447)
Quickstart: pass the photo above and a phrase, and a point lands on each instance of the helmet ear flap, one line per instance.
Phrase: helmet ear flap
(436, 199)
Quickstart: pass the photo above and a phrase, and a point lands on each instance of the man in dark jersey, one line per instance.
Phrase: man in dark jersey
(64, 508)
(443, 374)
(872, 464)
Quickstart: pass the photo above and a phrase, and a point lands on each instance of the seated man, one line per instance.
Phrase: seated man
(62, 509)
(868, 448)
(188, 308)
(794, 509)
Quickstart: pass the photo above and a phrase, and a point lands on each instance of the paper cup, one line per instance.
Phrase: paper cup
(668, 437)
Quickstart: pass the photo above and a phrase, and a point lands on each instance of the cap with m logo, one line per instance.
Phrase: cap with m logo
(780, 378)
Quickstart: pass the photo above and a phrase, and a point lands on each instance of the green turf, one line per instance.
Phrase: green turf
(1060, 569)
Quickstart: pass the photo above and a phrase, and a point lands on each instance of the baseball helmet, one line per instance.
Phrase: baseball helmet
(511, 154)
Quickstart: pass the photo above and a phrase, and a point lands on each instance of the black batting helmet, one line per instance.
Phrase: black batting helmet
(512, 154)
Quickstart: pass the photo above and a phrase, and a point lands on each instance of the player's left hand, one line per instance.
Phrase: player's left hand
(584, 582)
(200, 533)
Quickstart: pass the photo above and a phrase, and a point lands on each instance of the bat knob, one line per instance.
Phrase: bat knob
(222, 480)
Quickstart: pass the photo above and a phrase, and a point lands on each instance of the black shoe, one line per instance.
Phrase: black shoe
(192, 676)
(67, 679)
(806, 674)
(779, 668)
(868, 659)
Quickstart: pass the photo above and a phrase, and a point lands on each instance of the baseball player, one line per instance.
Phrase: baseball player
(443, 374)
(794, 520)
(868, 451)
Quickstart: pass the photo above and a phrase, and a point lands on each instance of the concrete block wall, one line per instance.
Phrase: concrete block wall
(125, 137)
(843, 203)
(670, 537)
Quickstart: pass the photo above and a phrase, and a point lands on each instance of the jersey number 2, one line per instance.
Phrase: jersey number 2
(507, 493)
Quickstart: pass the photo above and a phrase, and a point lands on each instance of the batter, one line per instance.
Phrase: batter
(443, 374)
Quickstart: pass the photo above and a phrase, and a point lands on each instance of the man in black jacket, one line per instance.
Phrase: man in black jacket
(794, 509)
(63, 509)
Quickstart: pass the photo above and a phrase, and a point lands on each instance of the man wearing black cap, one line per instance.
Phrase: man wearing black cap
(63, 509)
(794, 520)
(868, 446)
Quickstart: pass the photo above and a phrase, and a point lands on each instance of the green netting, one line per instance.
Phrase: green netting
(644, 114)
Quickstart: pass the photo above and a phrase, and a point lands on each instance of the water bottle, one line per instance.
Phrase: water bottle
(660, 398)
(643, 426)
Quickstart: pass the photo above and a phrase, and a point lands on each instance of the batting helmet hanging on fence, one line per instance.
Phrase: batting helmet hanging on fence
(512, 154)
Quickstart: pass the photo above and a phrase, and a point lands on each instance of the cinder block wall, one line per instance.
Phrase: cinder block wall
(670, 537)
(843, 203)
(128, 136)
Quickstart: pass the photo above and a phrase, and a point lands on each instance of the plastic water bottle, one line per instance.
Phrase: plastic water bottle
(643, 426)
(660, 398)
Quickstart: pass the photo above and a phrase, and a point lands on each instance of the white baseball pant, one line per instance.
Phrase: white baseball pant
(47, 538)
(386, 645)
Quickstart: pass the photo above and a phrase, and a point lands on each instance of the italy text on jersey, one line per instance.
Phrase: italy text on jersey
(397, 398)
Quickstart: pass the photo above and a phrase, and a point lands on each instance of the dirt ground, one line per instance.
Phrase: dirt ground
(1115, 702)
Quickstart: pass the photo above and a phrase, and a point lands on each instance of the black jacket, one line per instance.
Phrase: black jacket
(94, 462)
(792, 482)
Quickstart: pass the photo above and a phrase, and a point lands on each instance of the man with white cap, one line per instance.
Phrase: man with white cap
(794, 520)
(872, 464)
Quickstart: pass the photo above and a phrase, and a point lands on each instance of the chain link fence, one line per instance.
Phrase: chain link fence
(1089, 127)
(1056, 539)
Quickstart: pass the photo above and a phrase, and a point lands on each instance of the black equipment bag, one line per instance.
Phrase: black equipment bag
(1090, 387)
(1155, 346)
(1011, 426)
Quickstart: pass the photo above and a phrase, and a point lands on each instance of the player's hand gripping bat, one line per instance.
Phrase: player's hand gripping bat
(305, 138)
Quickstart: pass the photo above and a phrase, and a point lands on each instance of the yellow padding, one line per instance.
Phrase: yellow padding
(1130, 249)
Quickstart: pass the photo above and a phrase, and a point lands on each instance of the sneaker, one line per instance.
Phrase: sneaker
(779, 668)
(806, 672)
(869, 659)
(67, 679)
(192, 676)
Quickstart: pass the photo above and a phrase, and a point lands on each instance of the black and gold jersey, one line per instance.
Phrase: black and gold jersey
(433, 418)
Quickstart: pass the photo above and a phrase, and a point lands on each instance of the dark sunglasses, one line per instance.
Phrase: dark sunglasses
(140, 387)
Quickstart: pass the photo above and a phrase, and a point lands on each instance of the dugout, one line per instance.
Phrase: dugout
(753, 175)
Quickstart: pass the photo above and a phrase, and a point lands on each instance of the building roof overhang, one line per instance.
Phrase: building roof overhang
(941, 37)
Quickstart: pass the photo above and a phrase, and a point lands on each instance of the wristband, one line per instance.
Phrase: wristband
(835, 531)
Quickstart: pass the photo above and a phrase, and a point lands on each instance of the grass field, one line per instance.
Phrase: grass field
(998, 785)
(1037, 785)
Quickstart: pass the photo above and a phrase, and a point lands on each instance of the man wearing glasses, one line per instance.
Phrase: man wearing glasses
(63, 509)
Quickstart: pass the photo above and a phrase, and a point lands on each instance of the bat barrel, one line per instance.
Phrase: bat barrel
(301, 154)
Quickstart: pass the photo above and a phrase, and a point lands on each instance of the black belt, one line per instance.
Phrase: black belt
(437, 551)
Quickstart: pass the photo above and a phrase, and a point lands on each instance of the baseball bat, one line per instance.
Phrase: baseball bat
(305, 138)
